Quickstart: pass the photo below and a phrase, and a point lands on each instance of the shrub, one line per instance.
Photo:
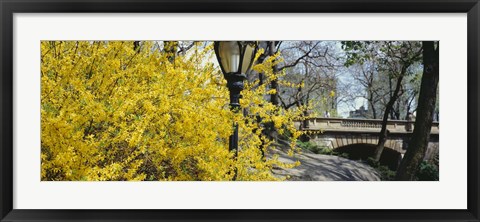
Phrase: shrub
(427, 172)
(110, 112)
(314, 148)
(385, 173)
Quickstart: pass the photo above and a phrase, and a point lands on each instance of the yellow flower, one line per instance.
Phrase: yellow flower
(110, 112)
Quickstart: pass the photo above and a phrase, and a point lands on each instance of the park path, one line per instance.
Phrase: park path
(317, 167)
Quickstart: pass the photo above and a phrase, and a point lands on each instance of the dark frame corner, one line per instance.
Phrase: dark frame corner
(9, 7)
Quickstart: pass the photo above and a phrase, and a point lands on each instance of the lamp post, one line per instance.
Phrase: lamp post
(235, 59)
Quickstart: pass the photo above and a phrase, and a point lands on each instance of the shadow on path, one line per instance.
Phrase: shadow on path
(317, 167)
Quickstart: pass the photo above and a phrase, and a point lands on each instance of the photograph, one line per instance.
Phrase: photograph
(204, 110)
(251, 110)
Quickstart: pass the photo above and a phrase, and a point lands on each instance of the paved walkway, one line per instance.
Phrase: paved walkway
(317, 167)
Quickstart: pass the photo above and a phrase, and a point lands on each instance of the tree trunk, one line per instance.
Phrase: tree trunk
(272, 132)
(392, 113)
(397, 110)
(261, 78)
(372, 106)
(426, 107)
(382, 137)
(170, 48)
(374, 112)
(273, 97)
(274, 84)
(263, 56)
(136, 46)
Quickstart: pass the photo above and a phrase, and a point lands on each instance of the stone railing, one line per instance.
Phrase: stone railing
(354, 123)
(369, 125)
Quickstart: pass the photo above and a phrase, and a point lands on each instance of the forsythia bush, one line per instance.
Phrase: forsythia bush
(112, 112)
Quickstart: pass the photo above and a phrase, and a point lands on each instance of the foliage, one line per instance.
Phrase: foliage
(313, 66)
(385, 173)
(357, 51)
(429, 170)
(110, 112)
(314, 148)
(376, 66)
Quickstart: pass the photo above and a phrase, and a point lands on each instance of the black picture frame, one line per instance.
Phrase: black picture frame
(9, 7)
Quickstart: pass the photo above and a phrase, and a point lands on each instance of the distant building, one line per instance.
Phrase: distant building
(361, 113)
(326, 98)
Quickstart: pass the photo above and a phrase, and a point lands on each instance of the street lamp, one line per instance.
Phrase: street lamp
(235, 59)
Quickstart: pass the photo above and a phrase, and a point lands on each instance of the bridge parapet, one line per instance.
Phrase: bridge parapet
(359, 125)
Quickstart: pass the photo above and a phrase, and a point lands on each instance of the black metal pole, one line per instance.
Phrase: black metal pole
(233, 142)
(235, 86)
